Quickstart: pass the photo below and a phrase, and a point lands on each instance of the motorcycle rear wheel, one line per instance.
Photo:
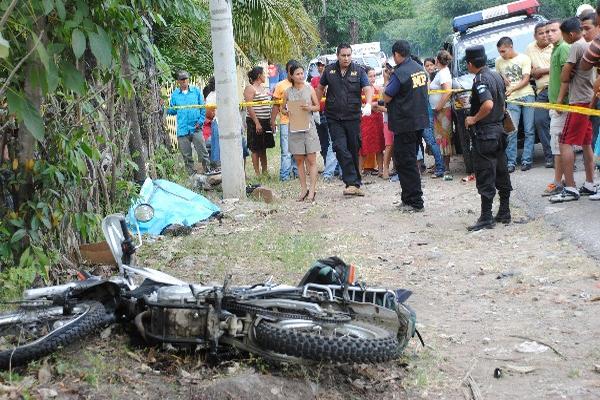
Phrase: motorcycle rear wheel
(31, 332)
(347, 342)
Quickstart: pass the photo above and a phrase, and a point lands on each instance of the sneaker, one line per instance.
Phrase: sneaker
(549, 164)
(468, 178)
(595, 197)
(353, 191)
(552, 189)
(525, 167)
(511, 169)
(588, 189)
(565, 195)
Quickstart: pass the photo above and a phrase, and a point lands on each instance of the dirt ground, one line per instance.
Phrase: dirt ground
(481, 299)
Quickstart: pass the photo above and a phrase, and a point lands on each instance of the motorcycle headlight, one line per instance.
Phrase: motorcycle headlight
(144, 212)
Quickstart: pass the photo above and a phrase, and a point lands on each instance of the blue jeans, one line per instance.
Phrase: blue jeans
(331, 163)
(215, 150)
(288, 164)
(435, 148)
(542, 125)
(528, 114)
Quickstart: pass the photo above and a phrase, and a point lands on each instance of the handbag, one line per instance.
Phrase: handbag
(509, 126)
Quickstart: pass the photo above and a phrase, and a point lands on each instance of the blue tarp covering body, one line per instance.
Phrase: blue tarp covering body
(173, 204)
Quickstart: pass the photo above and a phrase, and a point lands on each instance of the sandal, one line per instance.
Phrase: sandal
(448, 177)
(303, 197)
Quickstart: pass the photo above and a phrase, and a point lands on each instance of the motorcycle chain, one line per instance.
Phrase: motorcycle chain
(340, 318)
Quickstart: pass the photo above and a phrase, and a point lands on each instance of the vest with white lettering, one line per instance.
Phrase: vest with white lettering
(408, 111)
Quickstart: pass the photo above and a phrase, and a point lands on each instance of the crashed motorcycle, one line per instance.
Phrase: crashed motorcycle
(326, 317)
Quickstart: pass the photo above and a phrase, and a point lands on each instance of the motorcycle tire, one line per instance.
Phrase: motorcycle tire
(30, 333)
(346, 342)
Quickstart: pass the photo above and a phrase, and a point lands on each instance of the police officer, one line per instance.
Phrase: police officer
(345, 81)
(486, 126)
(407, 104)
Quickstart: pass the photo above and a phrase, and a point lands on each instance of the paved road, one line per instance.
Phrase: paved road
(579, 221)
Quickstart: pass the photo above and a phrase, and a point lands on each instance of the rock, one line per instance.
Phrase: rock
(47, 393)
(240, 217)
(486, 340)
(531, 347)
(44, 373)
(106, 333)
(522, 369)
(263, 194)
(184, 374)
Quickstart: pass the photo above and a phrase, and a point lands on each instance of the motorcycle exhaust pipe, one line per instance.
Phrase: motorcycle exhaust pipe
(34, 294)
(139, 322)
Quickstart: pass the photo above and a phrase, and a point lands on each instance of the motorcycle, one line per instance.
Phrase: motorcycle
(327, 317)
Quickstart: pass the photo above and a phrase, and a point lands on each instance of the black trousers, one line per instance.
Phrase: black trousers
(465, 141)
(323, 131)
(491, 169)
(405, 161)
(345, 136)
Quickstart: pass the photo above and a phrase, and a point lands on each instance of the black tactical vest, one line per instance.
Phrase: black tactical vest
(491, 126)
(343, 98)
(408, 111)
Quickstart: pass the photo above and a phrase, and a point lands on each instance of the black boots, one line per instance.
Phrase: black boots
(485, 221)
(503, 215)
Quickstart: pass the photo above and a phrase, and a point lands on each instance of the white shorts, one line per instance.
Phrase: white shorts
(557, 124)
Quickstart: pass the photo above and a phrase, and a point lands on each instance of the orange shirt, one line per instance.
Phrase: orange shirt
(278, 92)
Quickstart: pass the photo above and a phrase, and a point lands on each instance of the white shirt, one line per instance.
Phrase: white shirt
(442, 77)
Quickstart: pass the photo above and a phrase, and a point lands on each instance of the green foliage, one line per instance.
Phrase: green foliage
(335, 17)
(276, 30)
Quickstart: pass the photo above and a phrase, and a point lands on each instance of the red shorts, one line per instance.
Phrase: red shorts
(388, 135)
(577, 130)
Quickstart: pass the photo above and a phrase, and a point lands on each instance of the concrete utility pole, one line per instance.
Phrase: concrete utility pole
(230, 123)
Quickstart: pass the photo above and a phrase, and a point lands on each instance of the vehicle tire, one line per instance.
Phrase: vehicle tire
(348, 342)
(29, 333)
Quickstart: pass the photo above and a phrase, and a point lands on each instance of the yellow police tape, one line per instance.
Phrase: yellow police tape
(559, 107)
(546, 106)
(278, 102)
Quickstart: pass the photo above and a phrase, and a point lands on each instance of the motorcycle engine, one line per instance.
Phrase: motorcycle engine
(177, 317)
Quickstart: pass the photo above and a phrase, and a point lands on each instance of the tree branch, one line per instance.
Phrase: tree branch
(7, 13)
(18, 66)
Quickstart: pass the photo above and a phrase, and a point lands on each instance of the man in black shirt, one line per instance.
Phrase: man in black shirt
(407, 103)
(345, 81)
(486, 126)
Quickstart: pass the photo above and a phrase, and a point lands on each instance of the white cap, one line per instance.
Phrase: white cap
(583, 8)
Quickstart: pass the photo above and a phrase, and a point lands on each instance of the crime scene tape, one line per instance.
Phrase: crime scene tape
(546, 106)
(274, 102)
(559, 107)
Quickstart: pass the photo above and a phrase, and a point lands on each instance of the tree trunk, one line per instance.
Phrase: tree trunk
(33, 93)
(136, 143)
(230, 124)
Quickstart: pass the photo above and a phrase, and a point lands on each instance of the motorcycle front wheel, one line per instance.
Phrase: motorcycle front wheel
(31, 332)
(348, 342)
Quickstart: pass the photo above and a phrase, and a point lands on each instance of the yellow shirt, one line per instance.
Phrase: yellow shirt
(278, 92)
(540, 58)
(514, 69)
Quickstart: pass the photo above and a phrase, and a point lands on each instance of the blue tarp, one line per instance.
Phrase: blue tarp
(173, 204)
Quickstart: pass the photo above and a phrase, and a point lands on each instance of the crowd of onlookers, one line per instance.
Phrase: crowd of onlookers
(561, 62)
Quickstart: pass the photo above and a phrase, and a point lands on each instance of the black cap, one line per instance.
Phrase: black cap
(320, 62)
(181, 75)
(475, 52)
